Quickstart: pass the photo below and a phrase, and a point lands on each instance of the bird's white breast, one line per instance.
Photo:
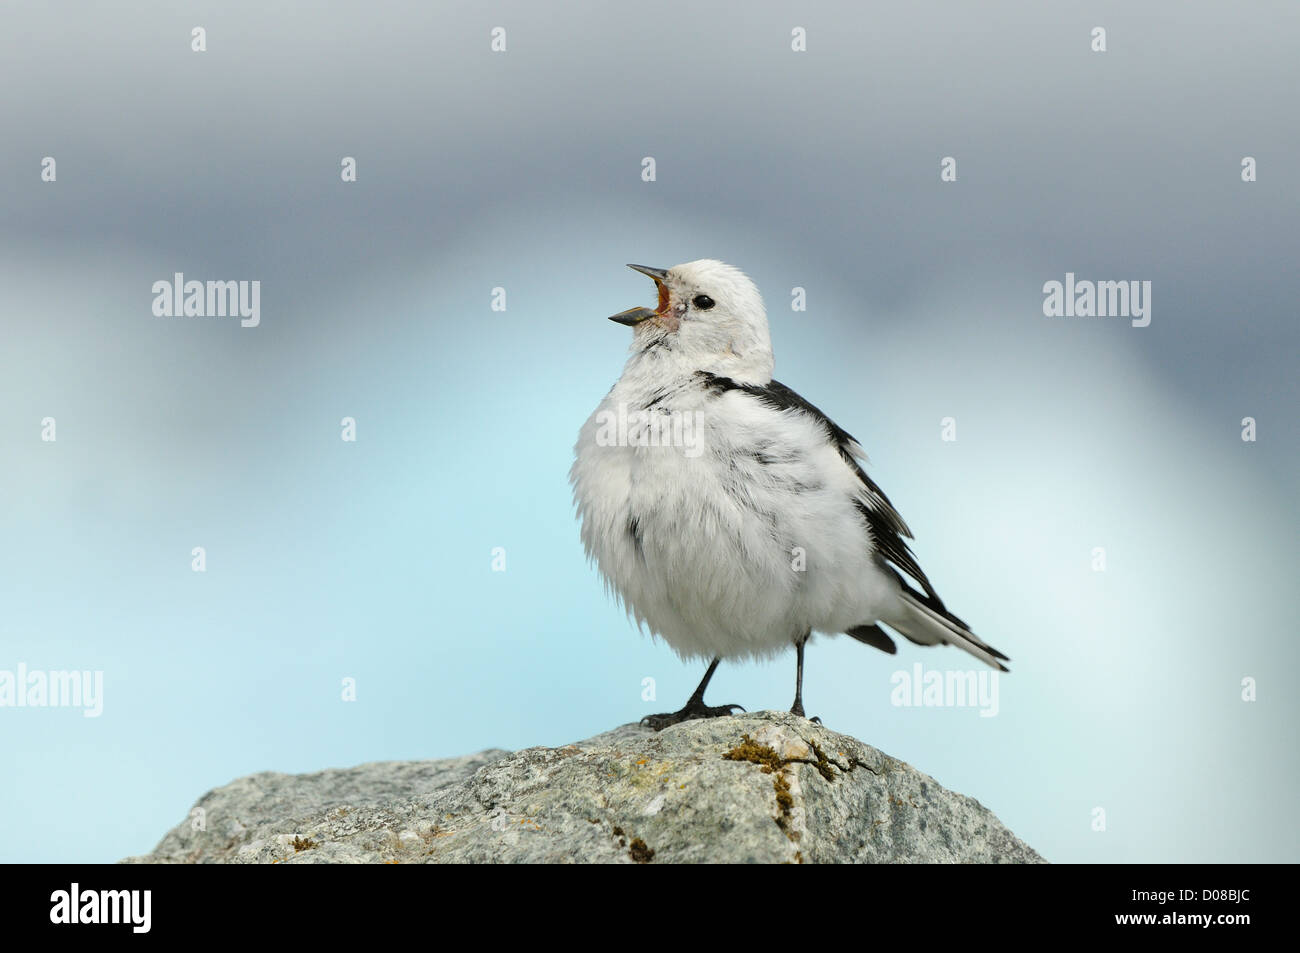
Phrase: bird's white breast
(735, 537)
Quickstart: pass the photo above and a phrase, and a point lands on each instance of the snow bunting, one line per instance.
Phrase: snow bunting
(730, 516)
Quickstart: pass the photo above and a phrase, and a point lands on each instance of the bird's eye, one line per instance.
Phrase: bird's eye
(703, 302)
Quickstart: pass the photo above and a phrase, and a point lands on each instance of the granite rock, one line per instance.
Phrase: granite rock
(762, 787)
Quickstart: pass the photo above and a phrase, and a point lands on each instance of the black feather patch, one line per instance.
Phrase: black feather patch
(874, 636)
(634, 530)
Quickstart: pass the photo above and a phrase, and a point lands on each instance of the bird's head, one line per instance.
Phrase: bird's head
(709, 317)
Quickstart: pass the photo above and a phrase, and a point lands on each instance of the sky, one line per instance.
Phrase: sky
(1148, 714)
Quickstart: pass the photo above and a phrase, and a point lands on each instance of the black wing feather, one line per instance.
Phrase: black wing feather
(874, 636)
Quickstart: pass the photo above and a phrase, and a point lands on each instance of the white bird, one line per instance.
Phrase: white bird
(729, 515)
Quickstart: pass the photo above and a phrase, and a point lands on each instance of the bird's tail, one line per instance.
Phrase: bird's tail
(926, 625)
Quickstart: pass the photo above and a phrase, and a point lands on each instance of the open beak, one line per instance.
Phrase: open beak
(634, 316)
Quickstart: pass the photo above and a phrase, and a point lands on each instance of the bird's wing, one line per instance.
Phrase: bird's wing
(888, 530)
(929, 620)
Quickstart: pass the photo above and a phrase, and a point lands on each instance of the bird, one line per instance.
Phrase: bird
(729, 515)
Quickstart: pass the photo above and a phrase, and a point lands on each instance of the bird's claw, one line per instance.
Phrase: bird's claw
(690, 712)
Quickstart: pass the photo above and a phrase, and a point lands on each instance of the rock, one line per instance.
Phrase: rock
(764, 787)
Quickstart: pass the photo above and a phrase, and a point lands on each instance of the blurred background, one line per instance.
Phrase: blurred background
(372, 560)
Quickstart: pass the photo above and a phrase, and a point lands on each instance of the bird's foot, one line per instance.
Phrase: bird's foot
(797, 709)
(691, 711)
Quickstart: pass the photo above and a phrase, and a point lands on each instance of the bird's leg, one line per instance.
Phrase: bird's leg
(797, 707)
(694, 707)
